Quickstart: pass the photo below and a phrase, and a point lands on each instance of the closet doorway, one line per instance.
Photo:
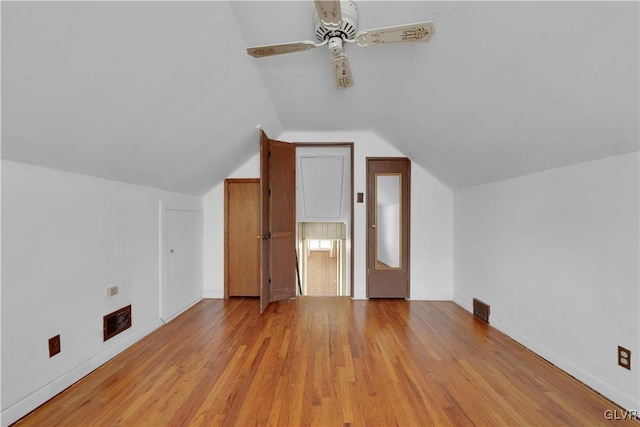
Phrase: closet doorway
(242, 237)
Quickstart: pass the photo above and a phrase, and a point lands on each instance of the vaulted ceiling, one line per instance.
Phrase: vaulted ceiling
(163, 94)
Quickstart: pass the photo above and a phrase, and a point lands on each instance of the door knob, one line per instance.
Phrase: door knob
(373, 226)
(171, 250)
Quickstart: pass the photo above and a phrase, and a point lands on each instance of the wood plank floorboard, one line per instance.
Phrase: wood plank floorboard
(326, 361)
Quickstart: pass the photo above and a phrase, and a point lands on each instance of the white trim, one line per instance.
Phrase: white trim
(162, 261)
(463, 303)
(618, 396)
(607, 390)
(187, 307)
(213, 294)
(359, 295)
(184, 210)
(431, 296)
(21, 408)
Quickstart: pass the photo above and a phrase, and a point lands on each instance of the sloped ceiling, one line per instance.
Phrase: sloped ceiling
(163, 94)
(160, 94)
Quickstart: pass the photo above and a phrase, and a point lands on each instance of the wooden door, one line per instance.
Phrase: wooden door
(242, 237)
(388, 206)
(278, 220)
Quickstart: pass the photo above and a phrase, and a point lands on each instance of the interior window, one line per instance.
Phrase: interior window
(319, 245)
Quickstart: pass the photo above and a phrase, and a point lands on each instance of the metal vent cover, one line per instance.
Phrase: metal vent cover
(481, 310)
(116, 322)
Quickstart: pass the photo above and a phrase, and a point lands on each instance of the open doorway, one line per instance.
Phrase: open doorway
(301, 182)
(324, 216)
(323, 259)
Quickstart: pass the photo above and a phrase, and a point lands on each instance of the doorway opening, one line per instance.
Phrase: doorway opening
(300, 183)
(322, 259)
(324, 214)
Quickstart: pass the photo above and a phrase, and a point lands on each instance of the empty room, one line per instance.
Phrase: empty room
(320, 213)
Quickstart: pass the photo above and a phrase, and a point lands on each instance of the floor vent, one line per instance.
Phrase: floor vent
(116, 322)
(481, 310)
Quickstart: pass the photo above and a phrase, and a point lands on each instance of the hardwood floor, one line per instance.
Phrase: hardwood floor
(325, 361)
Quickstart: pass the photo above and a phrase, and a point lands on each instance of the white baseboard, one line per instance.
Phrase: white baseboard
(18, 410)
(213, 294)
(602, 387)
(419, 296)
(431, 296)
(187, 307)
(467, 305)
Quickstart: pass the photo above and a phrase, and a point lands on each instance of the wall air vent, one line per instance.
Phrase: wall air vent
(116, 322)
(481, 310)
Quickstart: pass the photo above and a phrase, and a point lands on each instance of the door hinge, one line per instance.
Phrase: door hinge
(269, 279)
(269, 153)
(269, 191)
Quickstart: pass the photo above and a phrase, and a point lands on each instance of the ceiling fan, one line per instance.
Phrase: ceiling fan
(336, 23)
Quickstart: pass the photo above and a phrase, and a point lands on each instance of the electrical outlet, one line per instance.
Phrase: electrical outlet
(624, 357)
(54, 345)
(112, 290)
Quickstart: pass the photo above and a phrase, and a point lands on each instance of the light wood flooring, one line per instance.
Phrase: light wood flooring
(326, 361)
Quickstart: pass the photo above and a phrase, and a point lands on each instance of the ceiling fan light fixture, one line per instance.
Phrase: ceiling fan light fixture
(336, 46)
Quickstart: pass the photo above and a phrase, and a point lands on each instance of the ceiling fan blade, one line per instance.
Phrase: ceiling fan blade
(418, 32)
(278, 49)
(342, 71)
(330, 13)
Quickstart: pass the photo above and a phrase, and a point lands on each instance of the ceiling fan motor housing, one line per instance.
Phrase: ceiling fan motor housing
(348, 28)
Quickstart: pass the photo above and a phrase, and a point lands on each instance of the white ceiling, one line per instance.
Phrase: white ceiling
(163, 94)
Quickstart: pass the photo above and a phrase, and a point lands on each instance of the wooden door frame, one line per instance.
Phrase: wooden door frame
(350, 145)
(227, 182)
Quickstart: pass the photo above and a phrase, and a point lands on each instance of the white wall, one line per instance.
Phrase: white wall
(1, 416)
(431, 220)
(65, 239)
(555, 254)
